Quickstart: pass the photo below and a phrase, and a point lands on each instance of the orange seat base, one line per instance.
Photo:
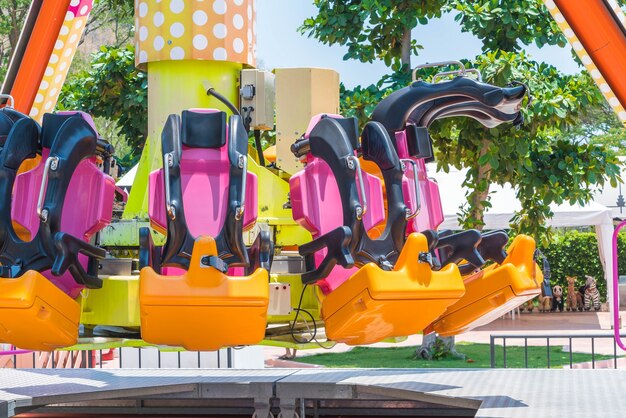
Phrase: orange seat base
(37, 315)
(203, 309)
(365, 320)
(373, 304)
(494, 291)
(203, 328)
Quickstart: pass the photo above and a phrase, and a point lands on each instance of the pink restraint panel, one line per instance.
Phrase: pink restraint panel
(316, 205)
(87, 209)
(205, 180)
(431, 213)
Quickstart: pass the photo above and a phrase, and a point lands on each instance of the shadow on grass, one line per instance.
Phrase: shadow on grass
(477, 356)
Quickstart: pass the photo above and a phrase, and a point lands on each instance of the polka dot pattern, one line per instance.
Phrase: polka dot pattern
(618, 108)
(221, 30)
(61, 58)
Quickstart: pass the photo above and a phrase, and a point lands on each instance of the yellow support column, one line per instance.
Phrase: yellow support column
(182, 44)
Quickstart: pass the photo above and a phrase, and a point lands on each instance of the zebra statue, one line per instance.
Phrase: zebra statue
(591, 294)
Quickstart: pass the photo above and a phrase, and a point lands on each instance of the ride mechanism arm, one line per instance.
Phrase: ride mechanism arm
(44, 53)
(596, 30)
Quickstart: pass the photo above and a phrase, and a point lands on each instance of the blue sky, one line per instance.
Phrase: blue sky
(280, 45)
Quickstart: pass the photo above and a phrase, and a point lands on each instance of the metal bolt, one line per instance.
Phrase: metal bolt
(44, 215)
(241, 161)
(351, 164)
(54, 164)
(359, 212)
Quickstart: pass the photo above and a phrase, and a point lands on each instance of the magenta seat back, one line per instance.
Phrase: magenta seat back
(316, 205)
(87, 209)
(431, 213)
(205, 182)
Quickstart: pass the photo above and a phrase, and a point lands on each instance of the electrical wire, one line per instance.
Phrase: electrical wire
(211, 91)
(295, 320)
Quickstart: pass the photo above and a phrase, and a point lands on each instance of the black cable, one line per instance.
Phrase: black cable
(295, 319)
(259, 147)
(211, 91)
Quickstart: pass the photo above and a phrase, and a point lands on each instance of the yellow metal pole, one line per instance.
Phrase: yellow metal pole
(182, 44)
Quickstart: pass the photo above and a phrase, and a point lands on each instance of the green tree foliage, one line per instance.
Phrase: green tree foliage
(12, 15)
(541, 166)
(372, 29)
(504, 24)
(542, 160)
(114, 89)
(575, 254)
(113, 15)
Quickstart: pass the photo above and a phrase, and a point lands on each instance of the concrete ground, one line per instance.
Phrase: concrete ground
(536, 324)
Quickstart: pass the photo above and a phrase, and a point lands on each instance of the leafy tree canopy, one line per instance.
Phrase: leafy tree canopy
(114, 89)
(545, 161)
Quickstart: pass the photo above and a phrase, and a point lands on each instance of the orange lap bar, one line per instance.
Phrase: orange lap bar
(374, 304)
(494, 291)
(203, 309)
(37, 315)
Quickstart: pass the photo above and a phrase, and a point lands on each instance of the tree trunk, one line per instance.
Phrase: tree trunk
(405, 58)
(435, 347)
(477, 209)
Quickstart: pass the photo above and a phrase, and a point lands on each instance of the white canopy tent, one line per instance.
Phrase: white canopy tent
(505, 204)
(126, 181)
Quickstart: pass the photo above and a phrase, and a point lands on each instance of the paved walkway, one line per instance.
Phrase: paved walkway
(568, 323)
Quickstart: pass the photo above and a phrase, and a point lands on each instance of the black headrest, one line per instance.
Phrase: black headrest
(6, 123)
(203, 130)
(329, 140)
(377, 147)
(52, 122)
(418, 142)
(351, 126)
(8, 117)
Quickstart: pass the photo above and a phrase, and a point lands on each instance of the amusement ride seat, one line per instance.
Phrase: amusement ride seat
(42, 277)
(394, 280)
(193, 291)
(513, 278)
(8, 117)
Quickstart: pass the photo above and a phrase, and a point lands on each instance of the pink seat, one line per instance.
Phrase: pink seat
(204, 177)
(204, 164)
(87, 208)
(316, 205)
(430, 215)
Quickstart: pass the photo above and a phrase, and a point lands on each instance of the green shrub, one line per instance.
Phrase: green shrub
(576, 254)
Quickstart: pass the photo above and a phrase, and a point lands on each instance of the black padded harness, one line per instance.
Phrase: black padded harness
(204, 130)
(72, 140)
(350, 244)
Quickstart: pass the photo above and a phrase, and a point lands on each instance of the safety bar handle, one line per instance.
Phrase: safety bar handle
(616, 322)
(467, 71)
(462, 70)
(416, 185)
(301, 147)
(52, 163)
(354, 164)
(169, 205)
(10, 100)
(243, 164)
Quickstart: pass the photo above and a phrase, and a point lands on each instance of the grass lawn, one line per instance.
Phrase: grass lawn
(477, 356)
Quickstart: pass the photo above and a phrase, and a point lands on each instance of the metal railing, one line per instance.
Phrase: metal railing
(21, 359)
(126, 357)
(570, 338)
